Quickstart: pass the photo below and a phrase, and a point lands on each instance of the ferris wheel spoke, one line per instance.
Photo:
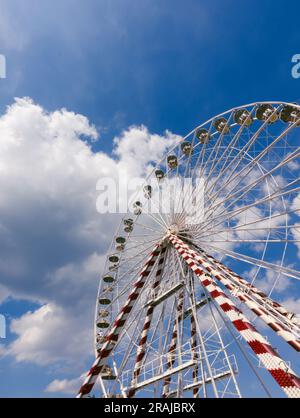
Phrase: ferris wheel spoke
(259, 220)
(229, 215)
(163, 215)
(244, 150)
(230, 147)
(142, 253)
(160, 222)
(132, 272)
(251, 229)
(148, 228)
(257, 262)
(256, 160)
(211, 155)
(244, 190)
(189, 159)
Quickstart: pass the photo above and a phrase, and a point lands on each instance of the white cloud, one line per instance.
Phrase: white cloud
(268, 280)
(293, 305)
(52, 239)
(51, 335)
(65, 386)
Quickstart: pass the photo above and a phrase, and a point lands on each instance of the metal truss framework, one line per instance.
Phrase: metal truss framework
(208, 271)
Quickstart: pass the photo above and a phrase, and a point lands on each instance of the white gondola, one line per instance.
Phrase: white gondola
(172, 162)
(114, 260)
(243, 117)
(266, 112)
(104, 301)
(148, 192)
(120, 243)
(102, 323)
(221, 125)
(137, 208)
(186, 148)
(160, 175)
(128, 225)
(107, 373)
(203, 136)
(290, 114)
(108, 279)
(101, 339)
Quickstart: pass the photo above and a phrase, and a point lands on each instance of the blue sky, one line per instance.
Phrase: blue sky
(164, 64)
(151, 62)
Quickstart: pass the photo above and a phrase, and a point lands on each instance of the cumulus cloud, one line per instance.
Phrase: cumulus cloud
(136, 149)
(268, 280)
(65, 386)
(52, 239)
(293, 305)
(50, 335)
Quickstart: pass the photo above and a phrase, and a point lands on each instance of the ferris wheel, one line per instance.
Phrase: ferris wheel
(191, 300)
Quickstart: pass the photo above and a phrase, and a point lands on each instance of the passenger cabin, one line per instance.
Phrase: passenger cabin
(114, 260)
(128, 225)
(159, 174)
(101, 323)
(186, 148)
(243, 117)
(107, 373)
(290, 114)
(148, 192)
(266, 112)
(108, 279)
(120, 243)
(172, 162)
(137, 208)
(221, 125)
(100, 339)
(104, 301)
(203, 136)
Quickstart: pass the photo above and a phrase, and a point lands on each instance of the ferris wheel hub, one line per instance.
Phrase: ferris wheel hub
(173, 229)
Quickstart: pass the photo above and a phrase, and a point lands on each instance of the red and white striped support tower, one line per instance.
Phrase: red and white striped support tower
(142, 343)
(202, 276)
(195, 354)
(171, 357)
(284, 376)
(119, 324)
